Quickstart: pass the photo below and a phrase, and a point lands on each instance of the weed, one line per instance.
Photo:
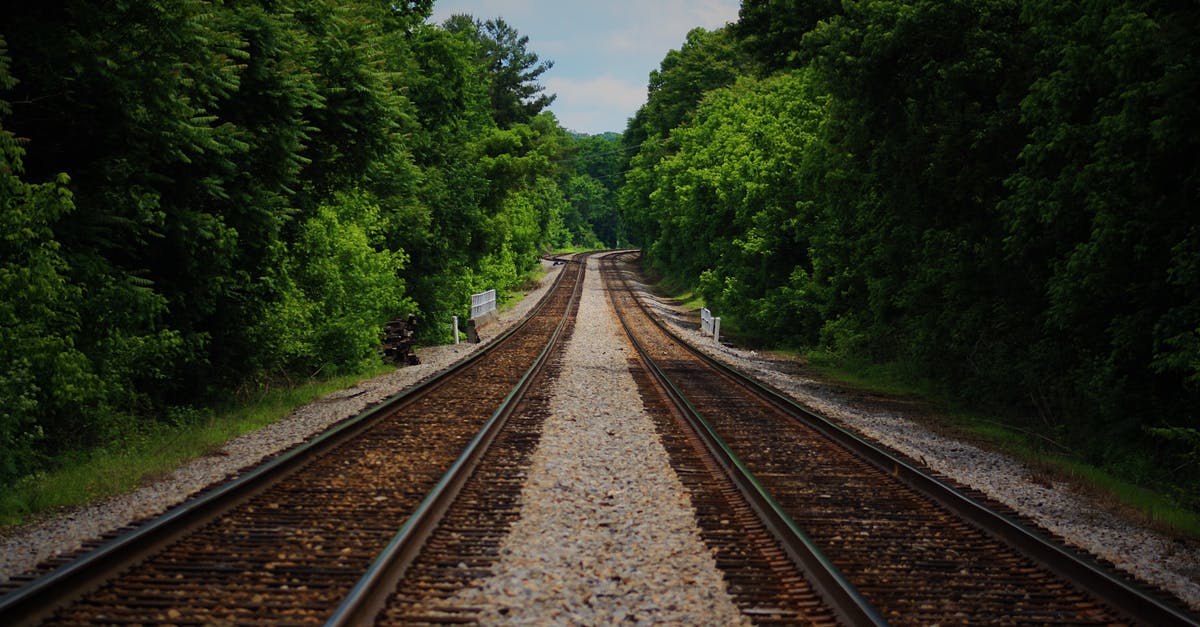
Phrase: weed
(86, 476)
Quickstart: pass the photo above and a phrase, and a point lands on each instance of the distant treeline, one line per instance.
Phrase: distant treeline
(199, 197)
(998, 196)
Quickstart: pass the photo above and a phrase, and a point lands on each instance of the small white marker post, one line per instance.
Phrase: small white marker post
(456, 329)
(717, 330)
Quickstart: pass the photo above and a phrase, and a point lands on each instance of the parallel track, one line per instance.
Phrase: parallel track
(918, 550)
(287, 542)
(465, 547)
(386, 518)
(773, 572)
(453, 537)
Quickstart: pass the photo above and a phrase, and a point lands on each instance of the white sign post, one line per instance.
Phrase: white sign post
(710, 325)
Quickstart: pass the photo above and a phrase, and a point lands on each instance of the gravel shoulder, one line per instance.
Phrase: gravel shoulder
(1081, 520)
(22, 548)
(604, 428)
(607, 532)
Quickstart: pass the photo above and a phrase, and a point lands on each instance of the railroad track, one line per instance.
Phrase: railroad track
(455, 540)
(311, 535)
(908, 547)
(388, 518)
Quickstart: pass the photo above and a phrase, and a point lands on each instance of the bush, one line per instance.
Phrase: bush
(337, 291)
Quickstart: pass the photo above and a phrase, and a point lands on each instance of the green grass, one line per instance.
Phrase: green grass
(97, 474)
(1152, 505)
(515, 294)
(860, 373)
(570, 250)
(679, 292)
(1047, 461)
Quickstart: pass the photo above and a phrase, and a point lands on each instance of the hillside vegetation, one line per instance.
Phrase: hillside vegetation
(998, 197)
(198, 199)
(995, 198)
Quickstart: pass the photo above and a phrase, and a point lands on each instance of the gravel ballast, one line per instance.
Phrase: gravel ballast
(579, 480)
(1153, 557)
(607, 531)
(23, 547)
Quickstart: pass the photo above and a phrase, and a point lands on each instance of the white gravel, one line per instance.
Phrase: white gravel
(22, 548)
(1173, 565)
(606, 532)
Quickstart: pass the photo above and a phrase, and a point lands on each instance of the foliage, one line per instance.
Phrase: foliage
(42, 372)
(592, 183)
(511, 69)
(731, 210)
(1101, 213)
(203, 197)
(706, 61)
(337, 293)
(998, 197)
(85, 477)
(769, 30)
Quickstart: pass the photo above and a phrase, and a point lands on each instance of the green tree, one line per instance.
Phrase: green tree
(43, 374)
(339, 289)
(512, 70)
(736, 217)
(706, 61)
(200, 196)
(1101, 216)
(592, 188)
(995, 196)
(772, 30)
(123, 99)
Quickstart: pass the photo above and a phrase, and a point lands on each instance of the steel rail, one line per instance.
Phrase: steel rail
(38, 599)
(1079, 569)
(847, 603)
(370, 595)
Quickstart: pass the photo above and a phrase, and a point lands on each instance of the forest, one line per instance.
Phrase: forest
(199, 198)
(996, 197)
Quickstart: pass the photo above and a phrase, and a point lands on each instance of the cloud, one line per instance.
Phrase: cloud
(595, 105)
(663, 24)
(603, 50)
(602, 91)
(511, 10)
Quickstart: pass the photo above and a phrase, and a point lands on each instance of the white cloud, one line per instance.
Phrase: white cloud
(511, 10)
(663, 24)
(600, 91)
(595, 105)
(603, 50)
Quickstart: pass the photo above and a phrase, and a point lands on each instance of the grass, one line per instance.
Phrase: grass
(1152, 506)
(513, 295)
(570, 250)
(678, 291)
(861, 373)
(1047, 461)
(90, 476)
(1048, 464)
(686, 298)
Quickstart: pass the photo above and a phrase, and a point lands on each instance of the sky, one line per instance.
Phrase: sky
(603, 50)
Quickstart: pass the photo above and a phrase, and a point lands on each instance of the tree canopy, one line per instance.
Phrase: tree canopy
(512, 70)
(200, 198)
(997, 197)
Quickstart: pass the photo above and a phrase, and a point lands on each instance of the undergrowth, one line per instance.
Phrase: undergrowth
(87, 476)
(1047, 459)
